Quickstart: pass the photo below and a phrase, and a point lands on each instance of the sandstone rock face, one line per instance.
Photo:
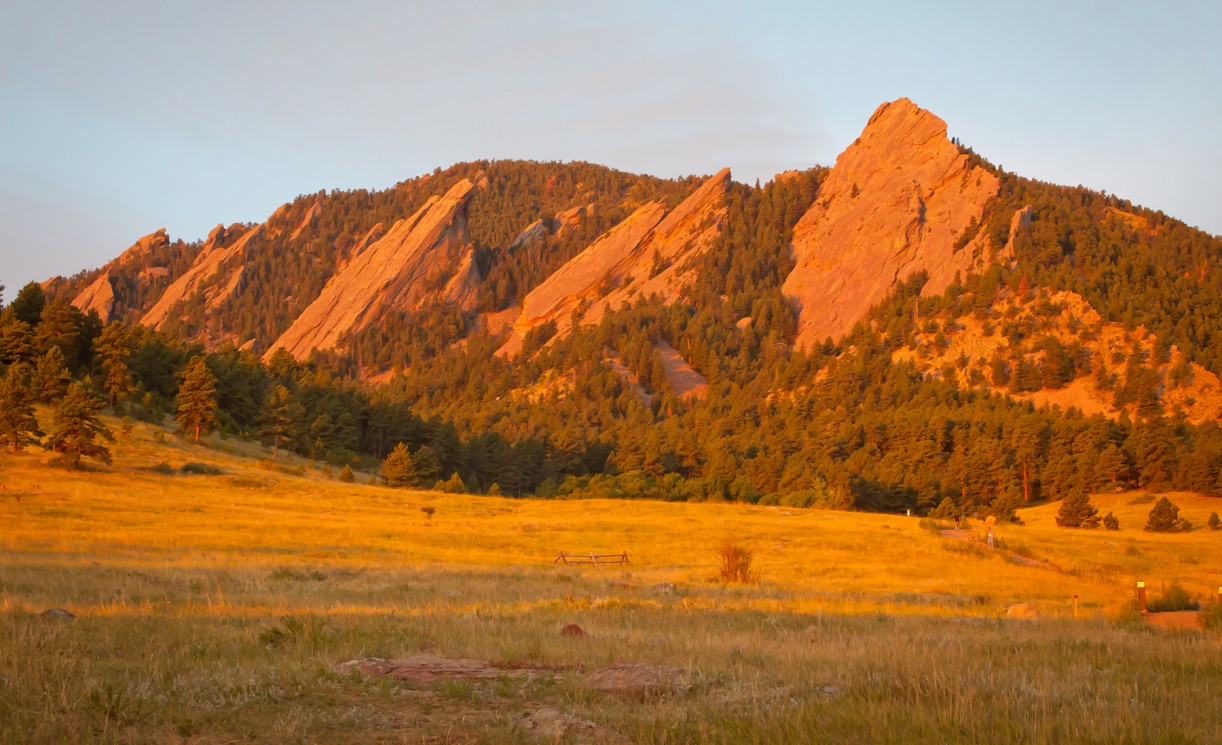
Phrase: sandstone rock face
(650, 252)
(426, 257)
(100, 294)
(900, 200)
(211, 262)
(310, 216)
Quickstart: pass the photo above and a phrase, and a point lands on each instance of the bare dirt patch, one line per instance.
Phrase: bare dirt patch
(553, 725)
(1183, 619)
(637, 678)
(427, 668)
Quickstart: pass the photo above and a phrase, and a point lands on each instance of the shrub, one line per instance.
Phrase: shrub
(1077, 512)
(164, 469)
(1165, 518)
(1211, 619)
(428, 510)
(1111, 522)
(734, 564)
(199, 469)
(1174, 598)
(346, 475)
(1213, 522)
(945, 510)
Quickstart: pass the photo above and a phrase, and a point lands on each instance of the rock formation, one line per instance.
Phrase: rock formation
(100, 294)
(650, 252)
(423, 258)
(900, 200)
(212, 261)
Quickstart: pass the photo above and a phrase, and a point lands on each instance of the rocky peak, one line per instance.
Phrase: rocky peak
(651, 252)
(423, 258)
(900, 200)
(99, 295)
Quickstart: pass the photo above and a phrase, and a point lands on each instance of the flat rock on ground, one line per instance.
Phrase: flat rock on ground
(553, 725)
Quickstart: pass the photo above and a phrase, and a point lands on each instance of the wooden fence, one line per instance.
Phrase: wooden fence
(563, 558)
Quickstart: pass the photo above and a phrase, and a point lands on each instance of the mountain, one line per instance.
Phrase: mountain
(902, 199)
(911, 325)
(426, 258)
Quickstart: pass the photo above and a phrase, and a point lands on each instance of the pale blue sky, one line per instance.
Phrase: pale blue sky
(122, 117)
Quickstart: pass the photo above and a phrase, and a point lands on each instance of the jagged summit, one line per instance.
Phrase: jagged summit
(650, 253)
(427, 256)
(900, 200)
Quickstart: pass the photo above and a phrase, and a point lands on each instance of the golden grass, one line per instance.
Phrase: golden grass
(862, 626)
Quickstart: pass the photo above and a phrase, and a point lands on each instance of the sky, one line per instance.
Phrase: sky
(119, 118)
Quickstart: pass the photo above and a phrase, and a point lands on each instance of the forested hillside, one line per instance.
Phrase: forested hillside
(1077, 348)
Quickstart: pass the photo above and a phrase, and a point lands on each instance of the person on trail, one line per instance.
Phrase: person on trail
(990, 536)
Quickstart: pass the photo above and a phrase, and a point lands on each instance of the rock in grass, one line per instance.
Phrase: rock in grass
(57, 613)
(1021, 610)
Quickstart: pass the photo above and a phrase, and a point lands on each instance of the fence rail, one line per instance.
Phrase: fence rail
(563, 558)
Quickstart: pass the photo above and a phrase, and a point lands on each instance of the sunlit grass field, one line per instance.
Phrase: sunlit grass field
(215, 608)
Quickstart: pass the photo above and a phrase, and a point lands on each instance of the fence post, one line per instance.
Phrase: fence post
(1141, 596)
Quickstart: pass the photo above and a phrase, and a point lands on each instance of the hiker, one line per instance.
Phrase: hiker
(990, 536)
(958, 519)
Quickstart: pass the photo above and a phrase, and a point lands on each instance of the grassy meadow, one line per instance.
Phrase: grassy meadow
(216, 608)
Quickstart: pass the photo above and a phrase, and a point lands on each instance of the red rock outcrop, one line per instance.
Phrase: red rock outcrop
(650, 252)
(900, 200)
(426, 257)
(211, 262)
(310, 216)
(100, 294)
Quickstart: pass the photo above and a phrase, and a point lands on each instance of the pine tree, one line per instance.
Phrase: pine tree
(51, 377)
(197, 399)
(77, 428)
(114, 348)
(397, 469)
(28, 305)
(61, 327)
(280, 417)
(1077, 512)
(425, 467)
(16, 339)
(346, 475)
(18, 424)
(1214, 522)
(1165, 517)
(1111, 522)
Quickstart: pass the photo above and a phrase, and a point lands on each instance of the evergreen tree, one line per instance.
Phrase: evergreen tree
(1111, 522)
(51, 377)
(280, 417)
(346, 475)
(1214, 522)
(28, 305)
(61, 327)
(197, 399)
(1077, 512)
(425, 467)
(16, 339)
(1165, 517)
(78, 429)
(397, 469)
(18, 424)
(114, 348)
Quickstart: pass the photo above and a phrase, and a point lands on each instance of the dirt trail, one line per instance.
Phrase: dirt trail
(966, 536)
(1183, 619)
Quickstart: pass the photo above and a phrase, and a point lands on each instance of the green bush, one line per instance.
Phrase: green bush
(200, 469)
(1165, 518)
(1111, 522)
(1174, 598)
